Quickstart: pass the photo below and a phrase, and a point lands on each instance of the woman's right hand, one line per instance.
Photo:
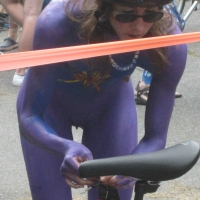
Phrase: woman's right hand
(76, 154)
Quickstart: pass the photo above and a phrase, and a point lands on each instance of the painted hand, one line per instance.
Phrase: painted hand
(76, 154)
(119, 182)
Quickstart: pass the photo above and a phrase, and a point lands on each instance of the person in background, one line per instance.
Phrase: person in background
(10, 42)
(3, 17)
(26, 16)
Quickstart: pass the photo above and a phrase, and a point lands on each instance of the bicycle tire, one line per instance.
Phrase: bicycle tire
(180, 4)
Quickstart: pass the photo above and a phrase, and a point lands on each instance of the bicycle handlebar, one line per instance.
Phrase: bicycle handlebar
(162, 165)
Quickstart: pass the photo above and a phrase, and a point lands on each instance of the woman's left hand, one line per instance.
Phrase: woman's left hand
(119, 182)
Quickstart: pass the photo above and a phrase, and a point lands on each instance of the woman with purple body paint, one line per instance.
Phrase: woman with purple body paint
(94, 94)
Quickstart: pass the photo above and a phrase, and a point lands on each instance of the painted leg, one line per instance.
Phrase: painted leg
(43, 168)
(114, 130)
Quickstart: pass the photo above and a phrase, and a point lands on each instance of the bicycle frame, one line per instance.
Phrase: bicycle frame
(163, 165)
(192, 8)
(143, 187)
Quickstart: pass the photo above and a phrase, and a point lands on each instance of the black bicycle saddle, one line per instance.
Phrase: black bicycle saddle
(162, 165)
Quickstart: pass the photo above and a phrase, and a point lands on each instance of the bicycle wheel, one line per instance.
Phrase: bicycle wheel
(180, 4)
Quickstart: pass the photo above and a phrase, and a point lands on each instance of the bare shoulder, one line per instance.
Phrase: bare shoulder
(54, 28)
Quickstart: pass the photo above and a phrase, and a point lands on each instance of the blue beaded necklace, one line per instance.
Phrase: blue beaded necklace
(132, 65)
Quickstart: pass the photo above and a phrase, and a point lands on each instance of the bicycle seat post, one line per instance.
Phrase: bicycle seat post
(143, 187)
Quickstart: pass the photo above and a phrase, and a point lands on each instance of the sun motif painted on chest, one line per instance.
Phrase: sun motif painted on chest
(94, 79)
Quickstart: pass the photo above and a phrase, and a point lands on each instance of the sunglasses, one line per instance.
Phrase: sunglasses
(130, 17)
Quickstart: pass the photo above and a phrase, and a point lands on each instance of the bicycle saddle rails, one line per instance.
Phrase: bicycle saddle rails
(162, 165)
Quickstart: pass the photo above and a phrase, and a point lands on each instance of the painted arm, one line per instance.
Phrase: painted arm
(161, 100)
(32, 102)
(33, 99)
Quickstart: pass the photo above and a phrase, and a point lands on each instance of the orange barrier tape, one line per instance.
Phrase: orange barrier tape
(41, 57)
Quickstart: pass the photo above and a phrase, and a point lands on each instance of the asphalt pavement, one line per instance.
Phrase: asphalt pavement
(184, 126)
